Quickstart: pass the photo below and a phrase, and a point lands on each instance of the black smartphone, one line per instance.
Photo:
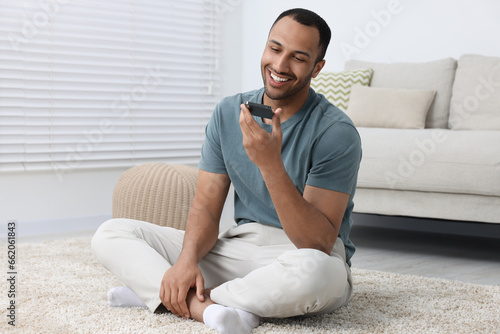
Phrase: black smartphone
(260, 110)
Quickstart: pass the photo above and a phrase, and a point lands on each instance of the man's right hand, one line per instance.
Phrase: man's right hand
(176, 283)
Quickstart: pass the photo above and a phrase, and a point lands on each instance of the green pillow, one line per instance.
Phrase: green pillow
(336, 86)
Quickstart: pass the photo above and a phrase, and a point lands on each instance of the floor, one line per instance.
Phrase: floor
(463, 258)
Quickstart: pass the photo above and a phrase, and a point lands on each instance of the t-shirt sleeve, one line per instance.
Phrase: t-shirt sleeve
(335, 159)
(212, 159)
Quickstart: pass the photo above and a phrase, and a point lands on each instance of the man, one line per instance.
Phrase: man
(294, 178)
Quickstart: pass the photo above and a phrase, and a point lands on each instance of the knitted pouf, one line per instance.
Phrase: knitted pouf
(158, 193)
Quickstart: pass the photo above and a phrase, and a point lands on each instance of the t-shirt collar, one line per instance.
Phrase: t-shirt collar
(297, 117)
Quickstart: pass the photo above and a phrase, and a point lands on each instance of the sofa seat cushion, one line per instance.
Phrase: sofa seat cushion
(459, 207)
(433, 160)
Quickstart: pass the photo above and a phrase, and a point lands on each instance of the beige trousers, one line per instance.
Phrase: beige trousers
(253, 267)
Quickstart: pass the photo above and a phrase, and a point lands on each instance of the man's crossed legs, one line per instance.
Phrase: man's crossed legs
(253, 271)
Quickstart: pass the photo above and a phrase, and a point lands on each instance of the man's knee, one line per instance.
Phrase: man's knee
(309, 282)
(109, 229)
(311, 272)
(299, 282)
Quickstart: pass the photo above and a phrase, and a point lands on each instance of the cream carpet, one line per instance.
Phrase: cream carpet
(62, 289)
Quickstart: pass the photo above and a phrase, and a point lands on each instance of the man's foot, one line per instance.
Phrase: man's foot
(228, 320)
(121, 296)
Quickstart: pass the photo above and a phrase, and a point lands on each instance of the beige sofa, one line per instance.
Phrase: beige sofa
(448, 167)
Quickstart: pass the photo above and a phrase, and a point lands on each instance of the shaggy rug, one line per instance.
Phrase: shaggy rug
(61, 288)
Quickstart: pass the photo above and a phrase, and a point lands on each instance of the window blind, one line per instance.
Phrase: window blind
(92, 84)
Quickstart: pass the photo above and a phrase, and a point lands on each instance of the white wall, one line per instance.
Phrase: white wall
(231, 60)
(41, 198)
(420, 30)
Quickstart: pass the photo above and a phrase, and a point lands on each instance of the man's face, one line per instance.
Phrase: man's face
(289, 59)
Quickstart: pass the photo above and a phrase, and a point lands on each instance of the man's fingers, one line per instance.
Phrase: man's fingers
(277, 121)
(181, 301)
(175, 308)
(243, 118)
(200, 288)
(165, 301)
(162, 292)
(246, 111)
(247, 120)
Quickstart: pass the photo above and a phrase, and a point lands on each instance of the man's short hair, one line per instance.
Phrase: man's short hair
(310, 19)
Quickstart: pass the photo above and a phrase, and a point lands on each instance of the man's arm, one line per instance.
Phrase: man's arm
(201, 234)
(311, 220)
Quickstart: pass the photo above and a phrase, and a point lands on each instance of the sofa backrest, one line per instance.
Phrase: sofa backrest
(475, 102)
(436, 75)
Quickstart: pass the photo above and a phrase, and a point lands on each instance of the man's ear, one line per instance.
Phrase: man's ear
(318, 67)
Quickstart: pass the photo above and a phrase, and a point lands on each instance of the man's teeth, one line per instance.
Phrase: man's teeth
(278, 79)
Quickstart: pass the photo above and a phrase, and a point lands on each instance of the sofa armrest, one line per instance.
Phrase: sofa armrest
(158, 193)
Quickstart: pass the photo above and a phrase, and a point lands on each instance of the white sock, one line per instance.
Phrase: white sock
(121, 296)
(228, 320)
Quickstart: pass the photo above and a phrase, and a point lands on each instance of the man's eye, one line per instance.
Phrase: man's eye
(299, 59)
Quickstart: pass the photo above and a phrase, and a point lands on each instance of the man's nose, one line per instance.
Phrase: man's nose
(281, 64)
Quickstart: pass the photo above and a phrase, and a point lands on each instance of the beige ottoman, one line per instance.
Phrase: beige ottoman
(158, 193)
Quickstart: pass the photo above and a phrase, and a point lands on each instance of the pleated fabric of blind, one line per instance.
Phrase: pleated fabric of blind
(92, 84)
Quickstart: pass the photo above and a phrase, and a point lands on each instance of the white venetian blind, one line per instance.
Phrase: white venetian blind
(93, 83)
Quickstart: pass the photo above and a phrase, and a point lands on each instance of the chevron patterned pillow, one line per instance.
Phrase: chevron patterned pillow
(336, 86)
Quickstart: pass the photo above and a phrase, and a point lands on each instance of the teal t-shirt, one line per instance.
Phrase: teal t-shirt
(321, 148)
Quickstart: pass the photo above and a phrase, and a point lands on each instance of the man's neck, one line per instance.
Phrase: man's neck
(289, 106)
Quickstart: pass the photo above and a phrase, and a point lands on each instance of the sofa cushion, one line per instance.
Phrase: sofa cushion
(436, 75)
(336, 86)
(434, 160)
(475, 102)
(388, 107)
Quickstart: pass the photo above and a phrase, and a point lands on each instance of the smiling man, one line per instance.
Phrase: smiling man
(294, 178)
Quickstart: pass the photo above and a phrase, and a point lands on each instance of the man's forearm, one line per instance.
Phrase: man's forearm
(200, 236)
(202, 228)
(304, 224)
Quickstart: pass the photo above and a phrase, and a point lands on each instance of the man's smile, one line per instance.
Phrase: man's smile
(277, 80)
